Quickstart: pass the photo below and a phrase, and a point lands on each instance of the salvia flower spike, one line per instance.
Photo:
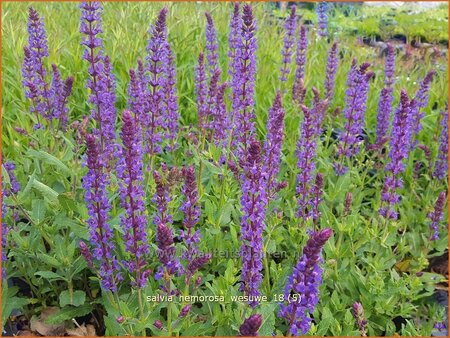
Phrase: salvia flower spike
(100, 232)
(250, 326)
(290, 28)
(400, 141)
(131, 180)
(253, 202)
(243, 84)
(358, 314)
(273, 144)
(386, 97)
(331, 69)
(211, 44)
(436, 216)
(304, 282)
(298, 88)
(355, 107)
(322, 19)
(441, 165)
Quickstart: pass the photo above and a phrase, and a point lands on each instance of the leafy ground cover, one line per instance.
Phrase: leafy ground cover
(272, 165)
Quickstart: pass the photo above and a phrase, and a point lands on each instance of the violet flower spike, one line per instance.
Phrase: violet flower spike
(436, 216)
(306, 153)
(211, 45)
(399, 149)
(361, 322)
(234, 40)
(273, 144)
(132, 197)
(221, 122)
(60, 92)
(421, 102)
(355, 108)
(250, 326)
(166, 250)
(330, 72)
(298, 88)
(290, 28)
(157, 49)
(317, 192)
(171, 115)
(304, 282)
(38, 48)
(201, 91)
(322, 19)
(100, 233)
(244, 83)
(441, 165)
(101, 81)
(253, 203)
(162, 198)
(5, 231)
(10, 167)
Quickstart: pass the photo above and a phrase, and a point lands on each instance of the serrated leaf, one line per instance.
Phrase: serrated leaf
(49, 275)
(77, 298)
(268, 315)
(49, 159)
(48, 193)
(68, 313)
(38, 210)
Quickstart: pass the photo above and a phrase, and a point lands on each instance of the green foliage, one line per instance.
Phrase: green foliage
(378, 264)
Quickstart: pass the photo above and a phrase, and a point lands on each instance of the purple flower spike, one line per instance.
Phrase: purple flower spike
(171, 115)
(441, 166)
(211, 44)
(298, 89)
(47, 101)
(304, 283)
(101, 235)
(306, 153)
(157, 49)
(436, 216)
(5, 230)
(38, 47)
(386, 97)
(201, 91)
(330, 77)
(86, 253)
(162, 198)
(243, 84)
(131, 180)
(166, 249)
(234, 39)
(191, 210)
(400, 141)
(355, 108)
(273, 144)
(221, 121)
(421, 102)
(101, 81)
(322, 19)
(60, 92)
(290, 28)
(14, 183)
(250, 326)
(358, 314)
(253, 202)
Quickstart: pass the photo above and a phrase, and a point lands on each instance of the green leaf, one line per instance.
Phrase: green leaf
(325, 322)
(268, 315)
(38, 210)
(49, 159)
(77, 298)
(48, 193)
(49, 275)
(68, 313)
